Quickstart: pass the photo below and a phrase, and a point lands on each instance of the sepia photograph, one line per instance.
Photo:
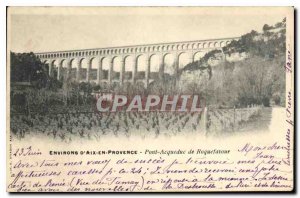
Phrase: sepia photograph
(90, 82)
(60, 74)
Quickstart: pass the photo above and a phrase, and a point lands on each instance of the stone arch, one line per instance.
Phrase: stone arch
(63, 69)
(183, 59)
(179, 47)
(193, 46)
(93, 68)
(169, 63)
(154, 66)
(63, 63)
(116, 67)
(210, 44)
(54, 64)
(83, 66)
(48, 64)
(205, 45)
(128, 69)
(183, 46)
(197, 55)
(227, 42)
(216, 44)
(188, 46)
(73, 68)
(141, 66)
(105, 62)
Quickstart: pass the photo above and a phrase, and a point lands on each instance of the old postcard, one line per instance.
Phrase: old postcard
(150, 99)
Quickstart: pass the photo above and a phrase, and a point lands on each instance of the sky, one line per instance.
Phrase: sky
(56, 29)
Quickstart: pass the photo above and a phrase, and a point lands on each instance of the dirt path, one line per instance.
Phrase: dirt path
(262, 122)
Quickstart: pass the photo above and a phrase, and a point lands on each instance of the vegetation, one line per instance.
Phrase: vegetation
(256, 79)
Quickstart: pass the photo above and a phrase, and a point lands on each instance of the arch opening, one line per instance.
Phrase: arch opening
(154, 67)
(54, 68)
(129, 63)
(93, 69)
(169, 66)
(183, 60)
(63, 69)
(141, 67)
(198, 55)
(73, 68)
(83, 65)
(116, 68)
(105, 68)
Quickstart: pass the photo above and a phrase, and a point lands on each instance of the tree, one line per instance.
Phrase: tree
(266, 27)
(27, 67)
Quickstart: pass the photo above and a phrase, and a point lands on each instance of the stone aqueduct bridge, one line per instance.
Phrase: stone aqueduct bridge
(161, 50)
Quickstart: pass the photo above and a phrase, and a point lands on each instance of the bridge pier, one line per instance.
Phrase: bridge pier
(69, 69)
(147, 74)
(50, 68)
(110, 71)
(99, 72)
(88, 69)
(122, 71)
(59, 70)
(78, 69)
(134, 69)
(161, 67)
